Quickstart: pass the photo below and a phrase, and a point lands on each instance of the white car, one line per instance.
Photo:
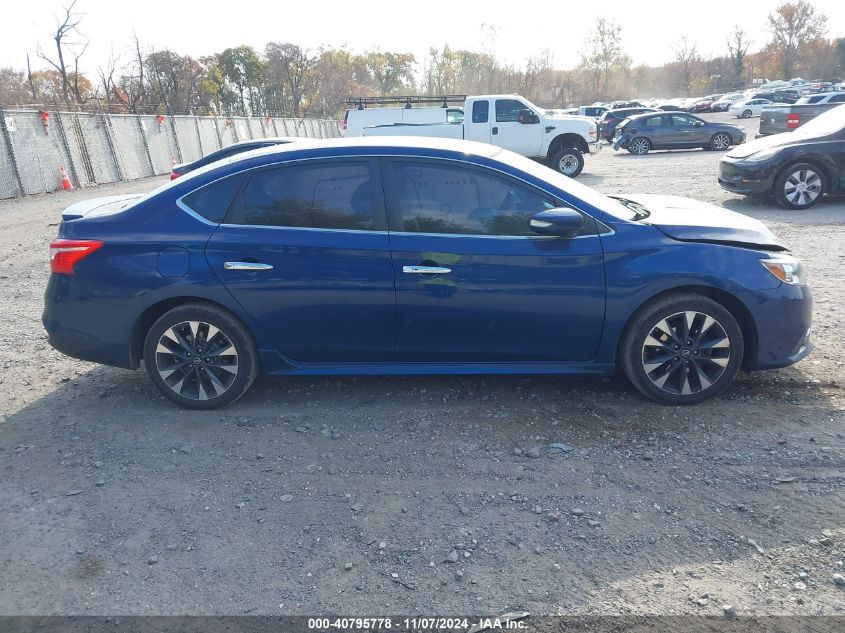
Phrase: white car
(725, 102)
(748, 107)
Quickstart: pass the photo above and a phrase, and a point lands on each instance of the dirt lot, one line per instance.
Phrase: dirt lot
(353, 496)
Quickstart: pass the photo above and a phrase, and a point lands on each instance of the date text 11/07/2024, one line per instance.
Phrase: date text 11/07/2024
(471, 625)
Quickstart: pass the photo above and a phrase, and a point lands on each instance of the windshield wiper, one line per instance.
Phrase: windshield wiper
(640, 212)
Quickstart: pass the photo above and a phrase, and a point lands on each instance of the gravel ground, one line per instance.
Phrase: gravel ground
(420, 495)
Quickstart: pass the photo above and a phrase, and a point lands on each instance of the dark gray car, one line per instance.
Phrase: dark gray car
(674, 130)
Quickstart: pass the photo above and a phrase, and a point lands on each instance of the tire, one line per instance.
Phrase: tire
(789, 192)
(639, 146)
(746, 114)
(701, 360)
(720, 141)
(198, 381)
(569, 161)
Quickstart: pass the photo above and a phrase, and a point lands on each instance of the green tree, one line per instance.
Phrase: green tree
(391, 72)
(243, 70)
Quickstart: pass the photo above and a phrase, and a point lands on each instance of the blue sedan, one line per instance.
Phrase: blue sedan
(418, 256)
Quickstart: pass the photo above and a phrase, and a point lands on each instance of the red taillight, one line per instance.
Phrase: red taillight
(793, 121)
(174, 175)
(65, 253)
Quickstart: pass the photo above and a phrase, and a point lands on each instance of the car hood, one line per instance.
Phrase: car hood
(98, 206)
(758, 145)
(558, 116)
(693, 221)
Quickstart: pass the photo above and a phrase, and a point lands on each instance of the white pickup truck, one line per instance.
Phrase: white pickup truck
(514, 123)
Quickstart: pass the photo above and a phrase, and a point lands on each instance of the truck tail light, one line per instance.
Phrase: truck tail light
(64, 254)
(793, 121)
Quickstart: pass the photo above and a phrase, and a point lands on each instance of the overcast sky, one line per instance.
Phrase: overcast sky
(522, 28)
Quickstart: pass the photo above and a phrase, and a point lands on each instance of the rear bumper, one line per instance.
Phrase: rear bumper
(85, 328)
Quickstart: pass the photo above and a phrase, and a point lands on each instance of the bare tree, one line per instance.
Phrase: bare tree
(738, 43)
(686, 57)
(65, 28)
(794, 25)
(29, 78)
(605, 56)
(107, 80)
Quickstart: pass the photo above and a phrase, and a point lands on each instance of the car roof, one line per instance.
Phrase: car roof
(372, 143)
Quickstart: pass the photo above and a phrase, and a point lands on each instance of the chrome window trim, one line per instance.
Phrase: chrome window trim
(302, 228)
(197, 216)
(193, 213)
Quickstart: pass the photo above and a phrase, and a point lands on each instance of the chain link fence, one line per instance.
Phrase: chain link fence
(97, 148)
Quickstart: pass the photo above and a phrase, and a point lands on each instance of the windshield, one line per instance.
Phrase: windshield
(569, 185)
(825, 124)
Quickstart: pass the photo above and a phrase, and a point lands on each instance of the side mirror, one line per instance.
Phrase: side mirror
(561, 222)
(527, 116)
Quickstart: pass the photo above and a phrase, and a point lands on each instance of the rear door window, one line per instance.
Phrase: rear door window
(324, 195)
(480, 111)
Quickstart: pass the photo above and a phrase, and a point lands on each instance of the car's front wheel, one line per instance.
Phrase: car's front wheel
(746, 114)
(200, 356)
(799, 186)
(681, 349)
(569, 161)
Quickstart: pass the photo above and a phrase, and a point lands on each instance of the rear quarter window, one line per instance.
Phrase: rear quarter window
(213, 200)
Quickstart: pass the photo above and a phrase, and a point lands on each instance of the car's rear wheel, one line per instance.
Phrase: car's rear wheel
(569, 161)
(799, 186)
(746, 114)
(200, 356)
(681, 349)
(639, 146)
(720, 141)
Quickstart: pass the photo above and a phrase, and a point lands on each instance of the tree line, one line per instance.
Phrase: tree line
(285, 78)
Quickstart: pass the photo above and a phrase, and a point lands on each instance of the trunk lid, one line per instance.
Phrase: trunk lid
(96, 207)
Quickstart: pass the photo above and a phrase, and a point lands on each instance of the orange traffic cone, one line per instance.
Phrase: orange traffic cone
(67, 185)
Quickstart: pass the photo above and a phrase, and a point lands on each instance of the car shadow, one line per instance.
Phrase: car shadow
(829, 210)
(307, 473)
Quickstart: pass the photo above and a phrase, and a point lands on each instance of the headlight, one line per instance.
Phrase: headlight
(787, 269)
(761, 155)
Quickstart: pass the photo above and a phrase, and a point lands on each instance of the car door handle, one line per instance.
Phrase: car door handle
(426, 270)
(495, 130)
(246, 266)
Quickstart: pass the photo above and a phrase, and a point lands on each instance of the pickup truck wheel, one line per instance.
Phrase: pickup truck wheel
(639, 146)
(799, 186)
(568, 161)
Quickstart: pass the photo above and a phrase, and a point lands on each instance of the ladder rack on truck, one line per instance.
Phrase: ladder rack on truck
(408, 100)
